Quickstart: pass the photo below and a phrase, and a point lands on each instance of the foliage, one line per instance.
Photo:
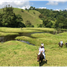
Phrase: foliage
(18, 21)
(32, 8)
(33, 12)
(22, 10)
(28, 24)
(41, 16)
(40, 25)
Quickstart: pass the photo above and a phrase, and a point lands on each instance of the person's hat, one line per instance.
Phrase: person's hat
(42, 44)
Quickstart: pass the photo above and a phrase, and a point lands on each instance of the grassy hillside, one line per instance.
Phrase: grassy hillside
(28, 15)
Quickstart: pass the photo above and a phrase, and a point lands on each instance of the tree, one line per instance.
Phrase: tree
(41, 16)
(33, 12)
(8, 16)
(22, 10)
(32, 8)
(40, 25)
(28, 23)
(18, 21)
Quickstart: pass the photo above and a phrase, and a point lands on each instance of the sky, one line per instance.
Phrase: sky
(42, 4)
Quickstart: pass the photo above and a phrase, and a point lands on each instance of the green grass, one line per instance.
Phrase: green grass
(18, 30)
(29, 39)
(6, 34)
(16, 53)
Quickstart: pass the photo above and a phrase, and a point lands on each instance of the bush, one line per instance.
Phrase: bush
(28, 23)
(22, 10)
(41, 16)
(33, 12)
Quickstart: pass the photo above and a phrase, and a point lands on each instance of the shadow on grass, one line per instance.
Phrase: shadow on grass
(42, 63)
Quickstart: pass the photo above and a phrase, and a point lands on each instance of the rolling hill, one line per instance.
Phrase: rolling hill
(31, 15)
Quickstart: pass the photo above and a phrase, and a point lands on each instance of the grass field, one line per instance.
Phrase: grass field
(29, 30)
(16, 53)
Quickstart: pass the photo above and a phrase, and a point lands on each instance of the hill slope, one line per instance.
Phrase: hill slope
(31, 15)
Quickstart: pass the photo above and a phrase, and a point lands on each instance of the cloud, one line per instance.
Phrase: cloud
(55, 2)
(57, 9)
(65, 8)
(42, 8)
(15, 3)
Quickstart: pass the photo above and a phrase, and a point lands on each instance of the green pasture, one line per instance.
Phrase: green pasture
(17, 53)
(19, 30)
(7, 34)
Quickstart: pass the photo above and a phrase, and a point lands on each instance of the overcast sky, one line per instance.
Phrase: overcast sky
(47, 4)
